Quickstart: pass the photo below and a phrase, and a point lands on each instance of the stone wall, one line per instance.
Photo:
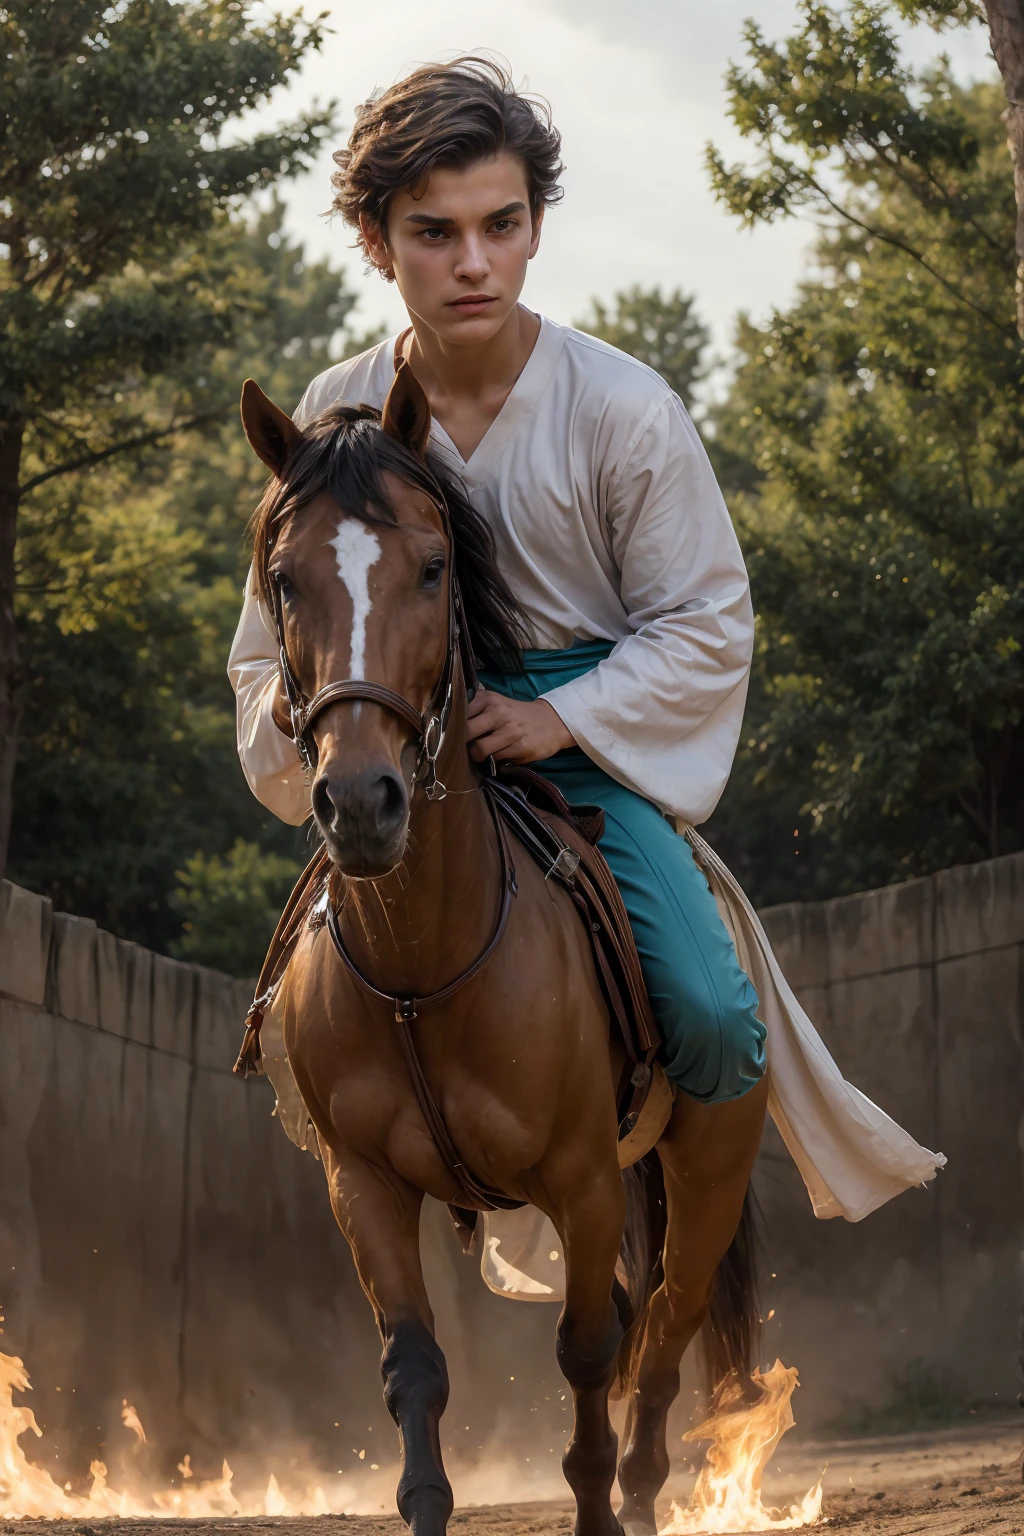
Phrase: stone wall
(918, 991)
(161, 1241)
(157, 1234)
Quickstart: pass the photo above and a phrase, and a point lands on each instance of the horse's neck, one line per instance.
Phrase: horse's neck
(417, 928)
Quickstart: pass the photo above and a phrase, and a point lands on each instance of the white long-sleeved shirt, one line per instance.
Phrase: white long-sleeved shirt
(609, 525)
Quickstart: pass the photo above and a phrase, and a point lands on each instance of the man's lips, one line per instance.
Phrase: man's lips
(472, 301)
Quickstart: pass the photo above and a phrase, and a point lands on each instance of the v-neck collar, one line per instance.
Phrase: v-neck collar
(521, 400)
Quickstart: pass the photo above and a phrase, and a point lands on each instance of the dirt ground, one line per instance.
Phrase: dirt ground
(943, 1483)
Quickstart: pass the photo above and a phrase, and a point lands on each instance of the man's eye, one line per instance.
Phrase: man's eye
(432, 572)
(430, 233)
(501, 225)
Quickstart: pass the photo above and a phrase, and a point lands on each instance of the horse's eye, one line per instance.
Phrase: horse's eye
(284, 586)
(433, 571)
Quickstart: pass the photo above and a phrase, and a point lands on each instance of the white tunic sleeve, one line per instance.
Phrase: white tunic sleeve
(662, 714)
(269, 760)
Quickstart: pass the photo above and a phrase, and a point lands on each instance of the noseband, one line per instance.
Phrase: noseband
(430, 726)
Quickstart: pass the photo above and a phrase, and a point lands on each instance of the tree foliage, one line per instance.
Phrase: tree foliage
(229, 906)
(872, 444)
(122, 156)
(130, 582)
(115, 168)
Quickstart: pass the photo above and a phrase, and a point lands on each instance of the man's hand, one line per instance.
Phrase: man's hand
(515, 731)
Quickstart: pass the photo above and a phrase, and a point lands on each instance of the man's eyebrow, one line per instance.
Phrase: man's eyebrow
(428, 220)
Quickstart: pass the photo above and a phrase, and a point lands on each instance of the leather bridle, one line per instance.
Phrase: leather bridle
(430, 726)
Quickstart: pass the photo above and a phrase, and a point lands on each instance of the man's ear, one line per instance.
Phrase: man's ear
(272, 435)
(406, 414)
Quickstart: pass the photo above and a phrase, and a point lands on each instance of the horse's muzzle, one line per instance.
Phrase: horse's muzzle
(364, 818)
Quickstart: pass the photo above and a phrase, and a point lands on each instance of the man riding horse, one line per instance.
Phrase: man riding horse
(610, 529)
(620, 588)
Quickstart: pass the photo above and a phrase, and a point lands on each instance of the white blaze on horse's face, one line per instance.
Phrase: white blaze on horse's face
(356, 550)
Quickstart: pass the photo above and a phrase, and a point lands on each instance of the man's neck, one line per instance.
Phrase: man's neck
(464, 373)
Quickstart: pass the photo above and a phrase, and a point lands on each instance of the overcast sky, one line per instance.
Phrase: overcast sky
(636, 88)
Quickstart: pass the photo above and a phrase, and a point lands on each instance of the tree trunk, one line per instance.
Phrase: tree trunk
(11, 434)
(1006, 25)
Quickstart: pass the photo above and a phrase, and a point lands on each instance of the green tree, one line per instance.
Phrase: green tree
(129, 587)
(121, 152)
(665, 333)
(230, 906)
(872, 444)
(1005, 20)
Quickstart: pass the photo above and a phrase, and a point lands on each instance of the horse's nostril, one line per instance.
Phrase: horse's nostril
(389, 798)
(323, 805)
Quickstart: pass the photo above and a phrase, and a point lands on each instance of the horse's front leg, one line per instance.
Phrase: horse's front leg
(379, 1214)
(589, 1332)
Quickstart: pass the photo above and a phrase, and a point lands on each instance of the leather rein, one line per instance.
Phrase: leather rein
(431, 727)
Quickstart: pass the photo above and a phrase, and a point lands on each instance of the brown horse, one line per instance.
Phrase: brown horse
(362, 544)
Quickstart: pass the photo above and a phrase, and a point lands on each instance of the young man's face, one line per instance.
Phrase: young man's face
(459, 250)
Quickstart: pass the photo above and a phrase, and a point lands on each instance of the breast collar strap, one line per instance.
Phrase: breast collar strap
(430, 726)
(475, 1193)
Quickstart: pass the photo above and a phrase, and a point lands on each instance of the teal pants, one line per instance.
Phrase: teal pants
(703, 1001)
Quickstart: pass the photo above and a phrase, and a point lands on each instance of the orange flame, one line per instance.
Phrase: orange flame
(29, 1493)
(727, 1496)
(131, 1420)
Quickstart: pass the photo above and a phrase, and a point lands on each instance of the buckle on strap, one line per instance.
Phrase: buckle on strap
(433, 742)
(564, 865)
(433, 738)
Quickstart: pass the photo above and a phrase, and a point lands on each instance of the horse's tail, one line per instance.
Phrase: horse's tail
(640, 1257)
(731, 1332)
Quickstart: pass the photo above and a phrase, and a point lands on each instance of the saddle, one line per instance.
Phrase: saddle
(562, 840)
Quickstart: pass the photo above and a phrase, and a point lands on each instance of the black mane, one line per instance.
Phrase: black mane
(346, 453)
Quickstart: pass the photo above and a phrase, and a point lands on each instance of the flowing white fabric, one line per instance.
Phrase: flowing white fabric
(851, 1155)
(609, 525)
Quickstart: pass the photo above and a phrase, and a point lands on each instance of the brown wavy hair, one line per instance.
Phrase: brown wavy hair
(449, 115)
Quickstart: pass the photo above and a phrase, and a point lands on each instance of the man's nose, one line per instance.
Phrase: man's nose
(472, 260)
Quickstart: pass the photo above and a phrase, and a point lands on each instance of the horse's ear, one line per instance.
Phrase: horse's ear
(406, 414)
(272, 435)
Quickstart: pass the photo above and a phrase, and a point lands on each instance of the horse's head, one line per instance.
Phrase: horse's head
(352, 551)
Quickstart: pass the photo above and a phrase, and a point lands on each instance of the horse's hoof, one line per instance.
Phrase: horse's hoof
(637, 1523)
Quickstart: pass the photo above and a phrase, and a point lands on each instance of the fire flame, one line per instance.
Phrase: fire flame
(727, 1496)
(29, 1493)
(131, 1420)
